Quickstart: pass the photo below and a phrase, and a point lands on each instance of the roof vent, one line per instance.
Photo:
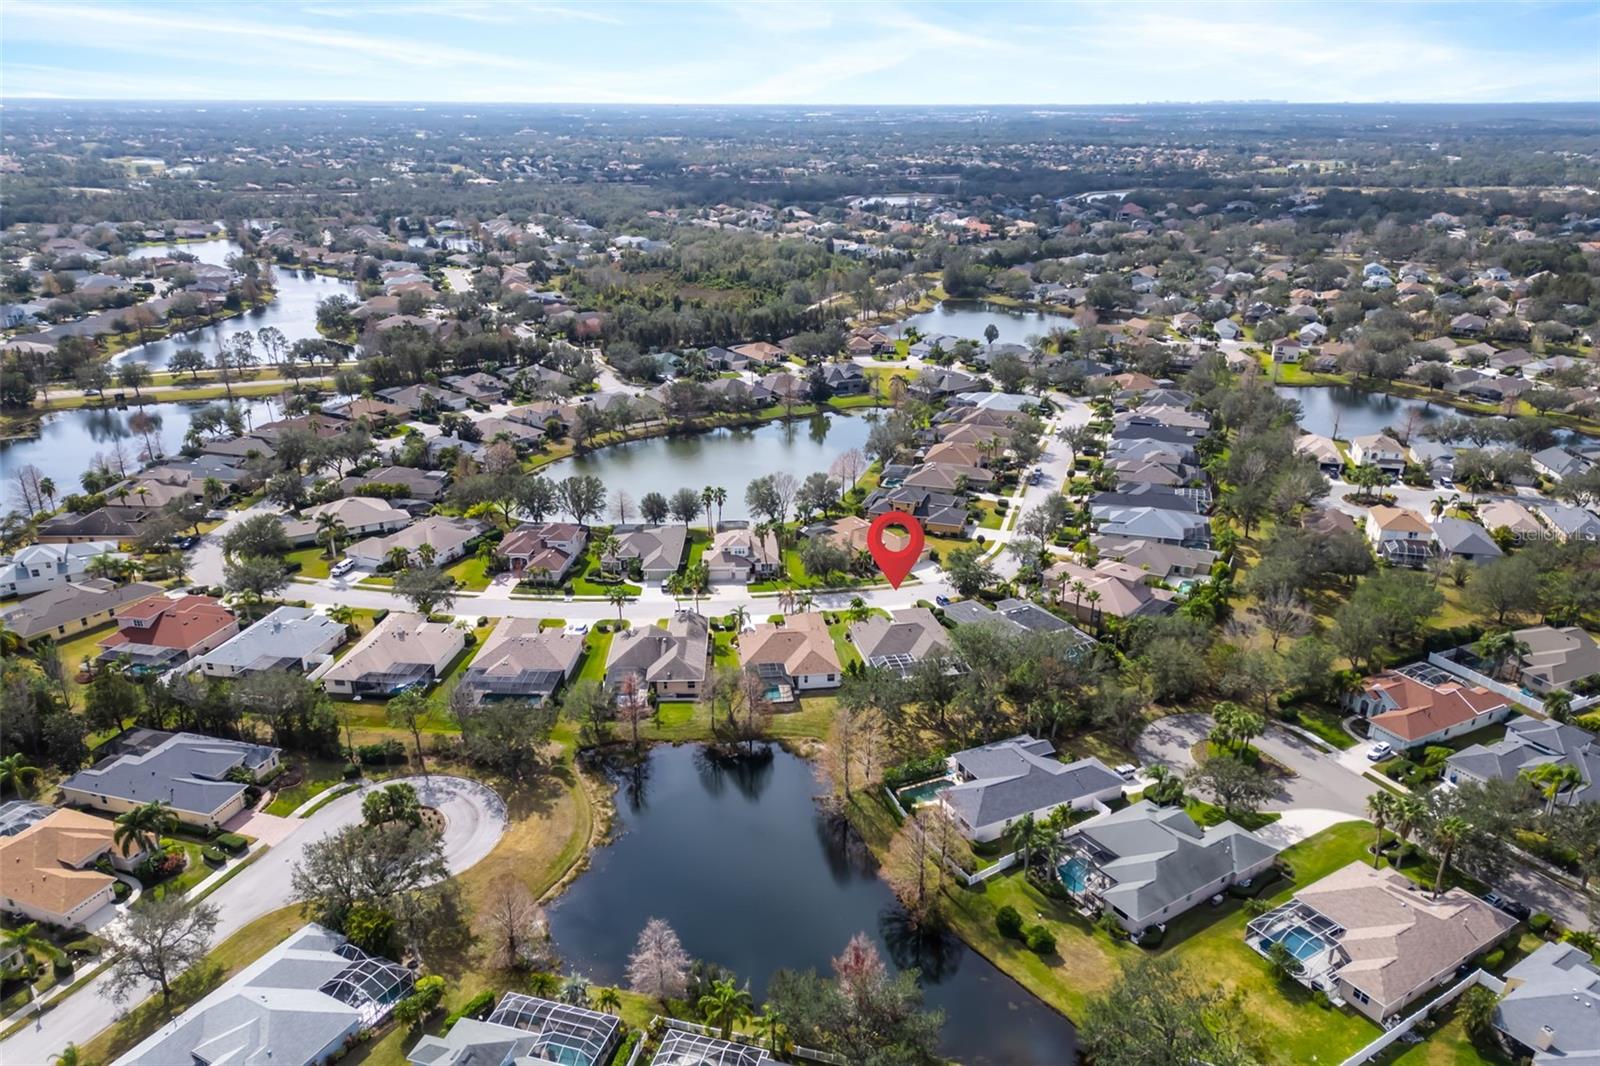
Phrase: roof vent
(1544, 1039)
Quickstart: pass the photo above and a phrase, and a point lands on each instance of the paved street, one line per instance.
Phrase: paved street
(475, 819)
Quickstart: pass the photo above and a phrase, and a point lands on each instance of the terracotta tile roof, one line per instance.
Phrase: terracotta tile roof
(40, 866)
(1423, 711)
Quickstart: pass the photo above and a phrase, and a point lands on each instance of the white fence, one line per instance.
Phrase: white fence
(1405, 1025)
(1515, 695)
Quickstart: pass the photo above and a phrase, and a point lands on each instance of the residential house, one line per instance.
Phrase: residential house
(191, 774)
(117, 522)
(38, 567)
(361, 516)
(47, 870)
(1557, 658)
(414, 486)
(478, 387)
(1157, 524)
(997, 784)
(900, 641)
(290, 638)
(797, 656)
(1399, 535)
(1146, 864)
(402, 652)
(1285, 350)
(948, 478)
(1228, 330)
(1458, 538)
(671, 661)
(1379, 450)
(421, 398)
(940, 513)
(544, 551)
(1550, 1009)
(1164, 562)
(1528, 744)
(1565, 521)
(1558, 463)
(448, 537)
(1376, 939)
(526, 1029)
(303, 1003)
(845, 379)
(743, 555)
(71, 608)
(1495, 515)
(657, 549)
(1330, 460)
(1018, 616)
(522, 660)
(1119, 590)
(1421, 705)
(760, 352)
(157, 632)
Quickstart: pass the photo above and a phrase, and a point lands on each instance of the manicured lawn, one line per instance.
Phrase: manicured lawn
(1447, 1046)
(321, 775)
(84, 646)
(471, 573)
(597, 646)
(846, 650)
(993, 517)
(313, 561)
(1324, 722)
(197, 870)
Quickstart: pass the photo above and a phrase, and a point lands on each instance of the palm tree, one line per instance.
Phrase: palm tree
(426, 554)
(617, 596)
(17, 772)
(1446, 835)
(719, 496)
(1093, 596)
(47, 489)
(1551, 779)
(1380, 807)
(697, 581)
(607, 999)
(1503, 649)
(398, 558)
(724, 1006)
(1476, 1009)
(26, 938)
(805, 602)
(1558, 705)
(858, 609)
(544, 985)
(575, 989)
(331, 530)
(769, 1024)
(740, 616)
(675, 586)
(70, 1056)
(11, 642)
(1029, 836)
(143, 827)
(1407, 815)
(608, 548)
(708, 496)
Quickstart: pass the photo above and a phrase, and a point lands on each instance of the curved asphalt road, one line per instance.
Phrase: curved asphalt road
(475, 819)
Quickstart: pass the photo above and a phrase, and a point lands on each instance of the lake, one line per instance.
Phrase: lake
(731, 458)
(734, 856)
(1344, 412)
(969, 318)
(293, 310)
(69, 440)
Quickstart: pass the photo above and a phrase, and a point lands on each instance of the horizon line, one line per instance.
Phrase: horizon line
(1244, 102)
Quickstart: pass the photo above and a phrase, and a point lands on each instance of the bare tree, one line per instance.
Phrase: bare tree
(157, 942)
(1282, 613)
(659, 965)
(847, 468)
(622, 507)
(28, 479)
(515, 926)
(786, 485)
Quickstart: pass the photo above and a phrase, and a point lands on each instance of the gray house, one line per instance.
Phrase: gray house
(1147, 864)
(1551, 1006)
(523, 1029)
(186, 771)
(1528, 744)
(290, 638)
(999, 783)
(1458, 538)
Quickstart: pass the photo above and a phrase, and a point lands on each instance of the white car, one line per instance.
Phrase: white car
(1380, 751)
(1127, 770)
(341, 568)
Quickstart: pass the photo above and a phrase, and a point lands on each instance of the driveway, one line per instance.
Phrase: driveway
(475, 819)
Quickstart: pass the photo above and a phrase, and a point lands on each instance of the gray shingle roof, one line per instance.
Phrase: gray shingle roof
(186, 771)
(1012, 777)
(1557, 987)
(287, 634)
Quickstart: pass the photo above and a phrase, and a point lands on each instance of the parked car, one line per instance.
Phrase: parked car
(1520, 911)
(942, 601)
(185, 541)
(1380, 751)
(1127, 770)
(342, 567)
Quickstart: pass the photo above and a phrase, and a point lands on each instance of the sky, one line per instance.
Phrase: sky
(813, 53)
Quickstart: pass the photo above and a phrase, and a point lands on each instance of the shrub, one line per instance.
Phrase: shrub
(213, 855)
(1540, 923)
(120, 891)
(1041, 941)
(1008, 922)
(232, 843)
(62, 966)
(351, 770)
(476, 1007)
(1494, 959)
(1320, 998)
(385, 753)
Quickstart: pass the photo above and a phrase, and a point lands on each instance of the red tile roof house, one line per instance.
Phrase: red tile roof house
(1407, 713)
(547, 549)
(156, 632)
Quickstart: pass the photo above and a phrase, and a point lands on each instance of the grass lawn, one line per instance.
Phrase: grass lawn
(1324, 722)
(1447, 1046)
(597, 646)
(993, 517)
(471, 573)
(85, 645)
(321, 775)
(228, 958)
(197, 870)
(313, 561)
(847, 651)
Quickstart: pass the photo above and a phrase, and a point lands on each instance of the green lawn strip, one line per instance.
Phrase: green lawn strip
(85, 645)
(837, 629)
(1206, 814)
(320, 775)
(233, 871)
(314, 561)
(470, 573)
(329, 797)
(594, 656)
(1449, 1045)
(1324, 722)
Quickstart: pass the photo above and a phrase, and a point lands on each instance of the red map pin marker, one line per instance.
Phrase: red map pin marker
(895, 564)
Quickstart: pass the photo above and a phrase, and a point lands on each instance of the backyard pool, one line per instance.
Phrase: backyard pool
(1074, 874)
(922, 791)
(1301, 942)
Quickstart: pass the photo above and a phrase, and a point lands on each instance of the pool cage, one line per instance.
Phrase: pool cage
(680, 1048)
(572, 1036)
(1311, 937)
(370, 984)
(1087, 881)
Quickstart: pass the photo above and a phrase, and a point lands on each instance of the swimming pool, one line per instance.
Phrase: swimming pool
(1074, 873)
(1301, 942)
(922, 791)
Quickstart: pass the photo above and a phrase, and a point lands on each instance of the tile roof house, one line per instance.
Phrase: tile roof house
(66, 609)
(1508, 514)
(1379, 450)
(158, 632)
(521, 660)
(1121, 591)
(672, 662)
(186, 771)
(1406, 712)
(362, 516)
(422, 486)
(1149, 864)
(1158, 524)
(401, 652)
(1399, 535)
(1530, 743)
(38, 567)
(1557, 658)
(658, 549)
(1165, 562)
(795, 657)
(547, 549)
(1378, 940)
(1550, 1009)
(524, 1029)
(998, 783)
(743, 555)
(290, 638)
(1330, 460)
(900, 641)
(47, 870)
(301, 1004)
(448, 537)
